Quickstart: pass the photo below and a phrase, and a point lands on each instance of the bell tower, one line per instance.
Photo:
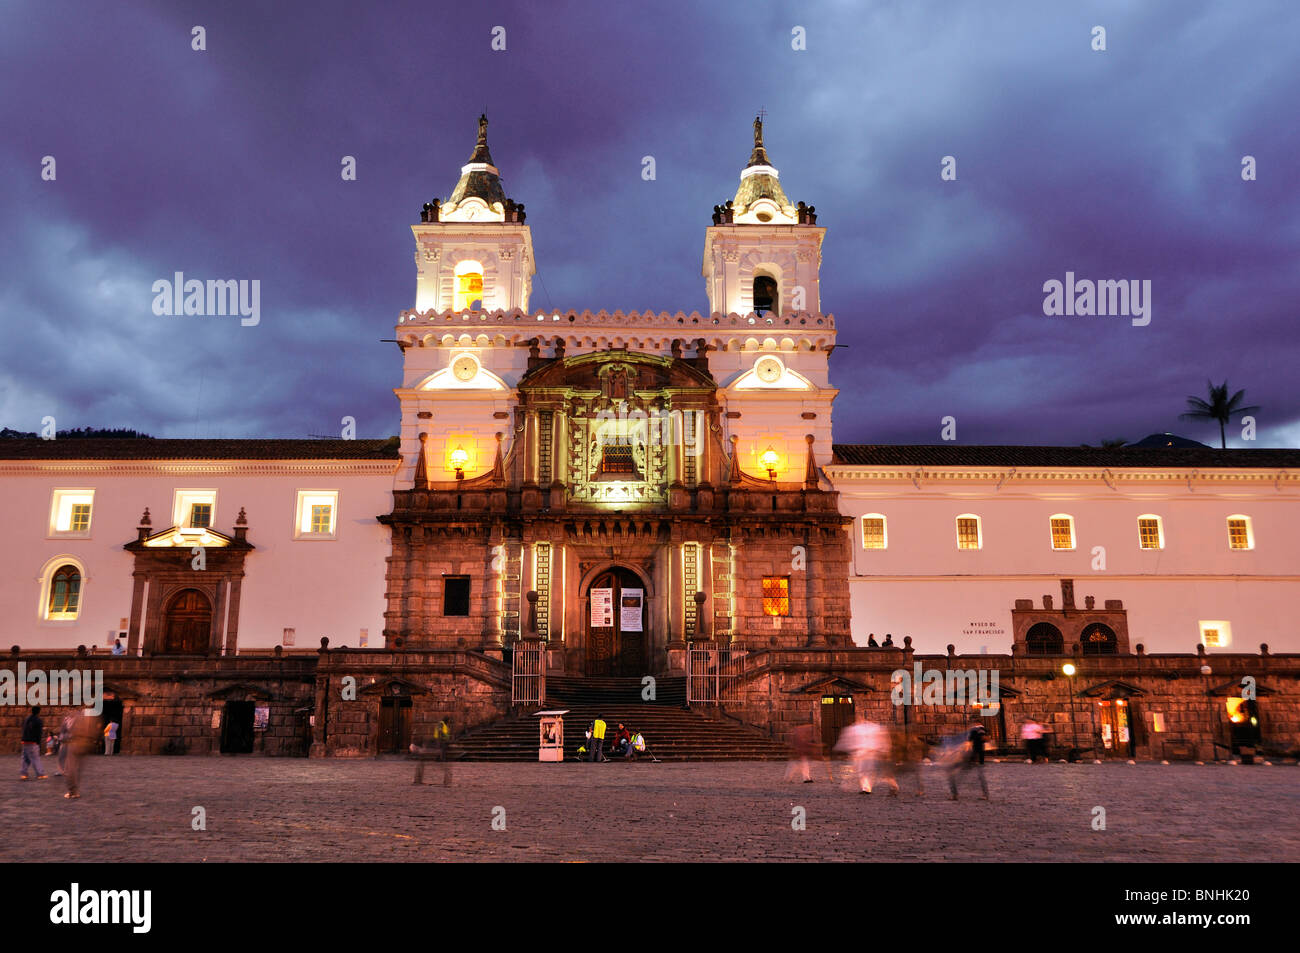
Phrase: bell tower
(473, 251)
(762, 254)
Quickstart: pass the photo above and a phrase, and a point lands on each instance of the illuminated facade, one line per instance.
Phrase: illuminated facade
(622, 494)
(566, 453)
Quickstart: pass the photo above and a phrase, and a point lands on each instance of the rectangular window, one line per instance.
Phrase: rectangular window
(776, 595)
(80, 517)
(542, 585)
(1062, 532)
(1239, 534)
(690, 585)
(617, 458)
(968, 532)
(1216, 634)
(195, 509)
(455, 595)
(317, 514)
(322, 517)
(873, 532)
(70, 512)
(1149, 533)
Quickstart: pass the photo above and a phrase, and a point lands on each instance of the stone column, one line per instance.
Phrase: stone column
(137, 605)
(232, 629)
(677, 594)
(218, 619)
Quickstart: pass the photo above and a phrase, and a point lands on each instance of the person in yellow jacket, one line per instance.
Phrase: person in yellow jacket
(597, 740)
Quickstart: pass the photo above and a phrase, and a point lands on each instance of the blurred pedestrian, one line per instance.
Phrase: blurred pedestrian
(970, 757)
(907, 751)
(804, 748)
(65, 740)
(83, 737)
(32, 732)
(867, 745)
(1032, 733)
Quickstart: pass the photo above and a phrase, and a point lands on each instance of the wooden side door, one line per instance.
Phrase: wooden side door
(189, 624)
(602, 641)
(837, 713)
(394, 725)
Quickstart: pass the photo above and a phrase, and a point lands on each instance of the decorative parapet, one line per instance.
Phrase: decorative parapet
(806, 330)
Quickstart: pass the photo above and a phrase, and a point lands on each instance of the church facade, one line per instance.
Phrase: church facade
(630, 494)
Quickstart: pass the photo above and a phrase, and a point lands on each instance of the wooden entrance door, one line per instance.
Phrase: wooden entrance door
(837, 714)
(394, 725)
(612, 650)
(1117, 728)
(188, 626)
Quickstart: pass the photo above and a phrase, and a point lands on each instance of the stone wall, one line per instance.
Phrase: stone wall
(465, 687)
(175, 705)
(782, 689)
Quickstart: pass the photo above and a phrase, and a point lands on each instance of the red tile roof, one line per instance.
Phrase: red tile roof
(955, 455)
(103, 448)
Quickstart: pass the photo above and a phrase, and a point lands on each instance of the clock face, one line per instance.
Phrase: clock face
(465, 368)
(768, 370)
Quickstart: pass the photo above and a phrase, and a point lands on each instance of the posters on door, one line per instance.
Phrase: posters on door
(631, 603)
(602, 608)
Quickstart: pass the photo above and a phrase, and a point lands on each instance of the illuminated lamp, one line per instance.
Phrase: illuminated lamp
(770, 459)
(458, 460)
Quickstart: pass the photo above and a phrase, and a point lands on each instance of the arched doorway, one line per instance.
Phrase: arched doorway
(616, 624)
(188, 626)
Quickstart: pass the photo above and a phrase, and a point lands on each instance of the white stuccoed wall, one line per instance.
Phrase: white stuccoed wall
(923, 586)
(330, 588)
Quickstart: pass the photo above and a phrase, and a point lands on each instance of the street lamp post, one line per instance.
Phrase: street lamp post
(1069, 671)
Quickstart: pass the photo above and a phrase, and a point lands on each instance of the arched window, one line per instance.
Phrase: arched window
(468, 286)
(1043, 638)
(1241, 534)
(65, 593)
(970, 533)
(1098, 639)
(1062, 531)
(874, 532)
(766, 294)
(1151, 531)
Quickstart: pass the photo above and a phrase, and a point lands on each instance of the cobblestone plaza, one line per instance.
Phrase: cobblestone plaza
(143, 809)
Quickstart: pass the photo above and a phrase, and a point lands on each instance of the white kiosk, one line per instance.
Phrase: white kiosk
(550, 745)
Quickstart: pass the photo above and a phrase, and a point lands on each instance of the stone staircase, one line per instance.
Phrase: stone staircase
(672, 732)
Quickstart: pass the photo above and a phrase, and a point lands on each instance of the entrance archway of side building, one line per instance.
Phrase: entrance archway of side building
(618, 649)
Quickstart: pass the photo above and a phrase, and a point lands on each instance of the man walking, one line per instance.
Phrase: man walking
(33, 731)
(110, 737)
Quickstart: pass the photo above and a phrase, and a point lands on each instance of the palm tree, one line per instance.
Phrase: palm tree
(1219, 407)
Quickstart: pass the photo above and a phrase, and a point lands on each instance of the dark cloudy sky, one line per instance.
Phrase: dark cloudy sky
(225, 164)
